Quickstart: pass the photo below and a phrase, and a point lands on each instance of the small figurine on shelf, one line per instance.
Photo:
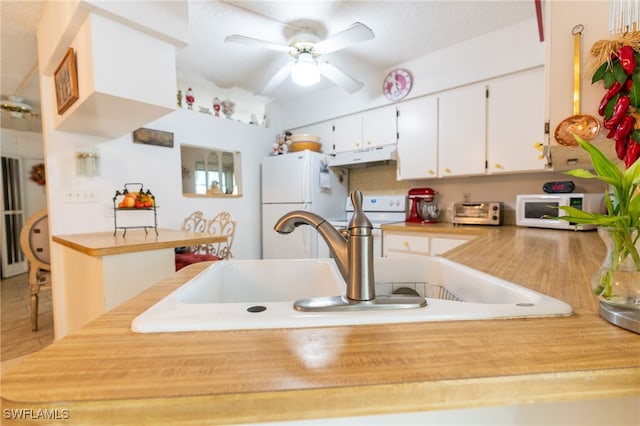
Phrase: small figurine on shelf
(179, 97)
(281, 146)
(190, 98)
(228, 107)
(216, 107)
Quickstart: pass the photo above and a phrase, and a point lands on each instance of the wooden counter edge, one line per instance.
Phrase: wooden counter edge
(136, 247)
(436, 228)
(339, 402)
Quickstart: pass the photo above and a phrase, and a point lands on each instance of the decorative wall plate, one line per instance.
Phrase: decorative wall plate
(397, 84)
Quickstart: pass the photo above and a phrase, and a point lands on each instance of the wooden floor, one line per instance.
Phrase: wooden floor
(17, 339)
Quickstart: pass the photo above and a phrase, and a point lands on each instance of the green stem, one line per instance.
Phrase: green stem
(623, 246)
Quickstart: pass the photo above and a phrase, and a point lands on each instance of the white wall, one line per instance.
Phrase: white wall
(562, 17)
(159, 169)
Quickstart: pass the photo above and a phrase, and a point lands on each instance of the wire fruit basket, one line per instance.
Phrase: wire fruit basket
(134, 198)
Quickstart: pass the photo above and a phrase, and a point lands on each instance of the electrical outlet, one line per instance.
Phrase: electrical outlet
(80, 196)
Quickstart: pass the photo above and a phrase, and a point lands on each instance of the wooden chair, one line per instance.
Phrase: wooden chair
(185, 256)
(221, 224)
(195, 222)
(34, 241)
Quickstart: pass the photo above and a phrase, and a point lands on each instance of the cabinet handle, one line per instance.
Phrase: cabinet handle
(406, 245)
(498, 166)
(447, 170)
(431, 172)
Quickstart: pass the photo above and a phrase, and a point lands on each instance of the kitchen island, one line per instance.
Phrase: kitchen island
(105, 373)
(100, 270)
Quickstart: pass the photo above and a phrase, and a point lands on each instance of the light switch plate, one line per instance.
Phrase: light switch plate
(80, 196)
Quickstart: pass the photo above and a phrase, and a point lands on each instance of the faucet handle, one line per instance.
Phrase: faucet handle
(359, 219)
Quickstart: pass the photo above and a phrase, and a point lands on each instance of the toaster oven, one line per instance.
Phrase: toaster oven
(479, 213)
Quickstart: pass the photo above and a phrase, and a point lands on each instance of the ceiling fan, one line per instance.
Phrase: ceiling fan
(17, 108)
(305, 49)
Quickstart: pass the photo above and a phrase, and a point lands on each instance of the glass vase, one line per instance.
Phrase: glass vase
(617, 281)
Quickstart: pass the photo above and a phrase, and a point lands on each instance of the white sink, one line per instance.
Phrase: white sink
(253, 294)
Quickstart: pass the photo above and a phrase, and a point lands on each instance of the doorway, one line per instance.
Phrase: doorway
(12, 206)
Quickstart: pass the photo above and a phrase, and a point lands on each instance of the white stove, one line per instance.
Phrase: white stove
(380, 209)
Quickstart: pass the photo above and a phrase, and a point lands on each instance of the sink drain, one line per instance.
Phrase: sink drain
(256, 309)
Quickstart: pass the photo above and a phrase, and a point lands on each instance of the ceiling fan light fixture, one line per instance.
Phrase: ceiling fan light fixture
(15, 105)
(305, 71)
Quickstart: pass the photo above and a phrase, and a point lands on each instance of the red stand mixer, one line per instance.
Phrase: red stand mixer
(424, 208)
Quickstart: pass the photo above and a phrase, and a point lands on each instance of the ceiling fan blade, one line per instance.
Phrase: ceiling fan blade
(278, 78)
(340, 78)
(235, 38)
(356, 33)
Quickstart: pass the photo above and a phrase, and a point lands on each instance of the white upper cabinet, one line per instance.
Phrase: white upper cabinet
(379, 126)
(516, 122)
(489, 127)
(347, 133)
(368, 129)
(323, 129)
(418, 138)
(462, 133)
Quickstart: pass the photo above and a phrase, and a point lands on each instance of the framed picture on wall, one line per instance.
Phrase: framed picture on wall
(66, 81)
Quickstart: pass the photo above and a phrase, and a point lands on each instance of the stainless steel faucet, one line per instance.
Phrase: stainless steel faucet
(353, 256)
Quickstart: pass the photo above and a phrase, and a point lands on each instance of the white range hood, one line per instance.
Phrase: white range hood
(364, 157)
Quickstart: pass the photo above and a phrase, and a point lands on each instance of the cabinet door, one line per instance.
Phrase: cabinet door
(379, 127)
(402, 244)
(347, 133)
(440, 245)
(516, 122)
(462, 133)
(323, 129)
(418, 138)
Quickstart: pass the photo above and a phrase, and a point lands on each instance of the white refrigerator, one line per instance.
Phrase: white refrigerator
(299, 181)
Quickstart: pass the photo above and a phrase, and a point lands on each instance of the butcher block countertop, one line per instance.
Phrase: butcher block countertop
(106, 373)
(108, 243)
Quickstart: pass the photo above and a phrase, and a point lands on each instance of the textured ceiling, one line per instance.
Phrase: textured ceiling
(403, 30)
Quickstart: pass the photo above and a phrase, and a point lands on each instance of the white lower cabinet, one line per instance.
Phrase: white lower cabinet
(401, 244)
(440, 245)
(419, 243)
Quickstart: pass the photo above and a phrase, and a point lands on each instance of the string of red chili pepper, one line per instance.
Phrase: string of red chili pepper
(620, 103)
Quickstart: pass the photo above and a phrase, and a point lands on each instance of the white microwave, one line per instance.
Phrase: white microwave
(534, 210)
